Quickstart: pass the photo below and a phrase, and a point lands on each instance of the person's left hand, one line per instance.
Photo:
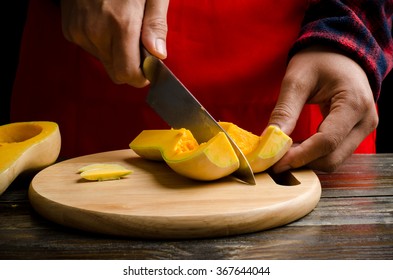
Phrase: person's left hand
(340, 86)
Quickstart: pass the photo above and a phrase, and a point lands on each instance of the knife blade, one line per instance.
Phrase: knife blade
(175, 104)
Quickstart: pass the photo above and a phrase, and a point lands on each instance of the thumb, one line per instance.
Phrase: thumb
(293, 96)
(155, 28)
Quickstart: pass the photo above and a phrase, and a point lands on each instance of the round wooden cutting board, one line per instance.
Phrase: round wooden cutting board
(155, 202)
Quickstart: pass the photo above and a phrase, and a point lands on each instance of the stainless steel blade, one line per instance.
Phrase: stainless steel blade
(180, 109)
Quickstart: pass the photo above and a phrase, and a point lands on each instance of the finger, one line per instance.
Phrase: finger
(75, 29)
(80, 31)
(318, 152)
(294, 93)
(126, 52)
(328, 138)
(347, 111)
(333, 160)
(298, 155)
(155, 28)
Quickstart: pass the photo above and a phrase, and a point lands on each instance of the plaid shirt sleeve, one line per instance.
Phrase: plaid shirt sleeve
(360, 28)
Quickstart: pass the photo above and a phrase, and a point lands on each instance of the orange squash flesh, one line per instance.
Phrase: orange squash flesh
(179, 149)
(163, 144)
(263, 151)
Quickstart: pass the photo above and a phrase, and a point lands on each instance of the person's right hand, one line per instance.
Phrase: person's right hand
(113, 30)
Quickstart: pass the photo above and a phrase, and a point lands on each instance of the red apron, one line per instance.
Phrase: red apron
(231, 56)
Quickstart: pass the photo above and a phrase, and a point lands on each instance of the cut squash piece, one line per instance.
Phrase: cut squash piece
(179, 149)
(163, 144)
(103, 171)
(263, 151)
(26, 146)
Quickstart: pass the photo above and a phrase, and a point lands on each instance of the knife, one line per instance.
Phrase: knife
(171, 100)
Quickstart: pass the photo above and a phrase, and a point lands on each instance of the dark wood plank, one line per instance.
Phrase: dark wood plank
(353, 220)
(295, 242)
(361, 175)
(350, 211)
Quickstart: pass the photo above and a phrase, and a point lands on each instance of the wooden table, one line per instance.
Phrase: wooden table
(353, 220)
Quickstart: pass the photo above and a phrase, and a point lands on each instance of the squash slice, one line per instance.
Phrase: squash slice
(103, 171)
(261, 151)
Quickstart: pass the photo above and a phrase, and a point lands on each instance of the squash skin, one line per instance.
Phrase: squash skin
(265, 150)
(209, 161)
(27, 146)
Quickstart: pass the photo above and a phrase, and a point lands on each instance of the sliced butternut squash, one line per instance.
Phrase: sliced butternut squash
(103, 171)
(215, 158)
(26, 146)
(261, 151)
(179, 149)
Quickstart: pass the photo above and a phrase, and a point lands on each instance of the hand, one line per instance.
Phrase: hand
(340, 86)
(112, 32)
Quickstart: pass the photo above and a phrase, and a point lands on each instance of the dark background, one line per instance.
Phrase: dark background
(12, 22)
(12, 29)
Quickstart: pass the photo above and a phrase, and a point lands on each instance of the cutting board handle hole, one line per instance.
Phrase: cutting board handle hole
(285, 178)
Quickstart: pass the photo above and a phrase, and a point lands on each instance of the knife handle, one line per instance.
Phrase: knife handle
(145, 64)
(144, 54)
(148, 64)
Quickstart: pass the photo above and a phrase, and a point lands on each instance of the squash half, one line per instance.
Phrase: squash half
(26, 146)
(179, 149)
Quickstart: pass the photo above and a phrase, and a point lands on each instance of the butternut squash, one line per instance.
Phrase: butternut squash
(179, 149)
(261, 151)
(26, 146)
(216, 158)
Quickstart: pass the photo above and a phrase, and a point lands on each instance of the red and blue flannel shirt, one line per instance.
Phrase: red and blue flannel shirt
(360, 28)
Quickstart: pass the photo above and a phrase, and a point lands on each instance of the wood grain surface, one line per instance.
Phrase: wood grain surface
(155, 202)
(353, 220)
